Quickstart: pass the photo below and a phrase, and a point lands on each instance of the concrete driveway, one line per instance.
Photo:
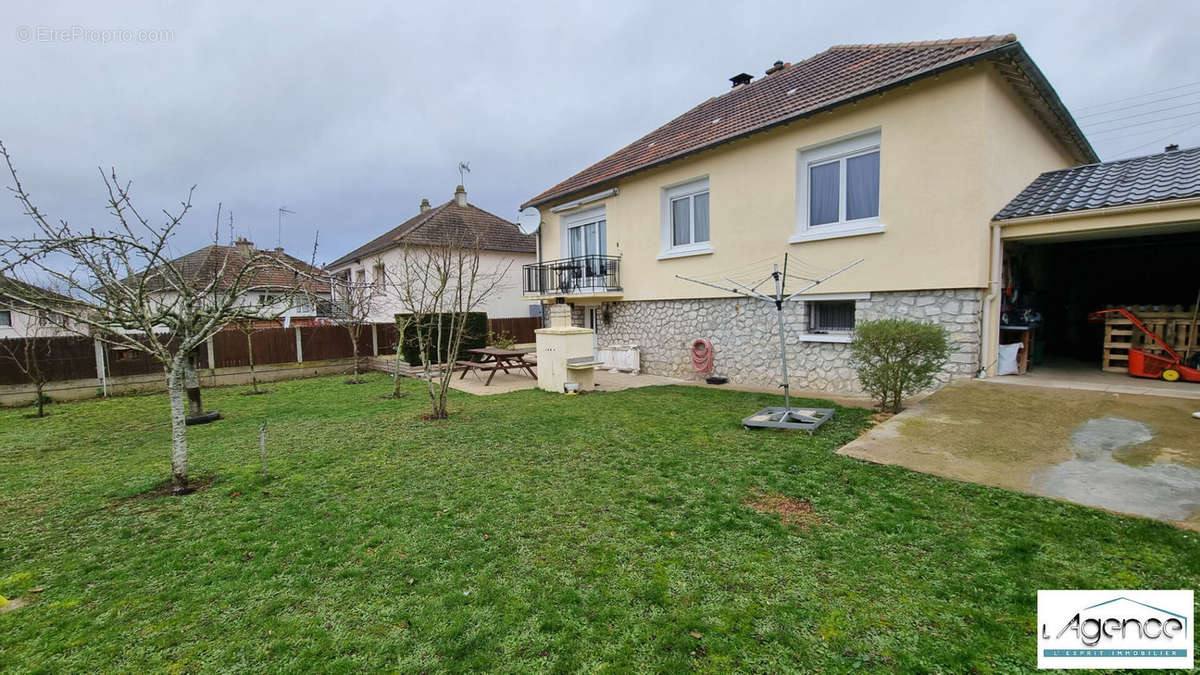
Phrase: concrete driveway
(1133, 454)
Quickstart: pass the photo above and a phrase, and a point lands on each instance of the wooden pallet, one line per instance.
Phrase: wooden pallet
(1173, 324)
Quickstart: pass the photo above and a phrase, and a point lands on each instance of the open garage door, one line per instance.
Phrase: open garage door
(1061, 280)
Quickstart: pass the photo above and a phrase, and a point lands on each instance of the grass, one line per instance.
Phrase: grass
(617, 531)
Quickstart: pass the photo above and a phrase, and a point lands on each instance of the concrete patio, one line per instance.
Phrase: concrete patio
(1136, 453)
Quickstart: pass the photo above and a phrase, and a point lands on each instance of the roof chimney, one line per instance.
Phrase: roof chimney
(460, 195)
(740, 79)
(244, 246)
(424, 204)
(775, 68)
(1171, 148)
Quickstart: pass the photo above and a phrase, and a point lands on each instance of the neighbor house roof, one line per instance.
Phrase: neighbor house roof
(202, 265)
(448, 222)
(12, 290)
(1153, 178)
(837, 76)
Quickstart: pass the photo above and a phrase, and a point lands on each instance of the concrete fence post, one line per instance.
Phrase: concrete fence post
(299, 347)
(212, 355)
(374, 339)
(101, 371)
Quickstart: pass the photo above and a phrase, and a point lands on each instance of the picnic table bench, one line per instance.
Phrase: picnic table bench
(492, 359)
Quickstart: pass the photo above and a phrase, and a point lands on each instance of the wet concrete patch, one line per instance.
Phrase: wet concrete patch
(1095, 476)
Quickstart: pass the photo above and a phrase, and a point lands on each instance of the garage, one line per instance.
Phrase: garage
(1120, 234)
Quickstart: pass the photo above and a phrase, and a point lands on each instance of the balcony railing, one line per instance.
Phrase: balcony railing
(567, 276)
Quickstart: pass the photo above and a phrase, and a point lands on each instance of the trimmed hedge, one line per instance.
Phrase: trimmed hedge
(474, 336)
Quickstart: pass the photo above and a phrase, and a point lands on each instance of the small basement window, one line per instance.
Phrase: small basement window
(830, 316)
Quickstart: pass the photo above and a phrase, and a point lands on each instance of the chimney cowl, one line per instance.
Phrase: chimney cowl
(740, 79)
(425, 204)
(460, 195)
(776, 67)
(1171, 148)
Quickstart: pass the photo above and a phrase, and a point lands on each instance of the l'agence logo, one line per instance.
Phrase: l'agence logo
(1115, 629)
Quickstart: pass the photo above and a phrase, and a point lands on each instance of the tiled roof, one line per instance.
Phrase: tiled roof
(448, 222)
(1167, 175)
(201, 265)
(13, 289)
(836, 76)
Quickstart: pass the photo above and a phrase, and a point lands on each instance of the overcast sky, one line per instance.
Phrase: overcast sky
(349, 116)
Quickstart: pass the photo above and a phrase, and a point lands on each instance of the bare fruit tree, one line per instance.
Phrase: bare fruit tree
(439, 286)
(29, 354)
(126, 289)
(352, 307)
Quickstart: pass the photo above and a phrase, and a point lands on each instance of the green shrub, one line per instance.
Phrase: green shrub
(502, 339)
(475, 335)
(895, 357)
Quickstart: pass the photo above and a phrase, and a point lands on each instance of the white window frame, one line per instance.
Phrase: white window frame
(580, 219)
(840, 337)
(690, 188)
(839, 150)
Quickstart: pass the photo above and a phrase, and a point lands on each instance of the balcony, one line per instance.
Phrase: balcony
(587, 275)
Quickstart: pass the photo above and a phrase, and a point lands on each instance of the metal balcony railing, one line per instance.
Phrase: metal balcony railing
(582, 274)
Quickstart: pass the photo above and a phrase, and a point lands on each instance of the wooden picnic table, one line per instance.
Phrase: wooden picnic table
(492, 359)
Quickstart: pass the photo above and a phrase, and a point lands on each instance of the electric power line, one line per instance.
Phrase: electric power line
(1159, 140)
(1158, 121)
(1143, 114)
(1138, 105)
(1131, 98)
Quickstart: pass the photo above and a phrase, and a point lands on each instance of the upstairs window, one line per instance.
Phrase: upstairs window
(685, 221)
(838, 189)
(380, 276)
(5, 318)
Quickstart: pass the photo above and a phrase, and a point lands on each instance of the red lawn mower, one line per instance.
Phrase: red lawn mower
(1144, 364)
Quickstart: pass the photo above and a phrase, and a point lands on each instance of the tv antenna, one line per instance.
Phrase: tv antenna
(787, 417)
(283, 211)
(463, 169)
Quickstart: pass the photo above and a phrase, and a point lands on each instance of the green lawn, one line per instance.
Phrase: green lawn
(530, 532)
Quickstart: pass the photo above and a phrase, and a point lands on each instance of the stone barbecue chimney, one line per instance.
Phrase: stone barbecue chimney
(460, 195)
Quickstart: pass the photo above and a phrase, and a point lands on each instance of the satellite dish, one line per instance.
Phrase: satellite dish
(529, 221)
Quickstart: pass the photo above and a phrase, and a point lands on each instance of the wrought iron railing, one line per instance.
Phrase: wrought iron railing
(582, 274)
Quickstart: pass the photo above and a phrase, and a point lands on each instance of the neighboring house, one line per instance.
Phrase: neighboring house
(899, 154)
(17, 320)
(293, 290)
(502, 251)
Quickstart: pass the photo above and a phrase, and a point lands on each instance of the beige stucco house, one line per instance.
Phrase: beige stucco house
(899, 154)
(502, 250)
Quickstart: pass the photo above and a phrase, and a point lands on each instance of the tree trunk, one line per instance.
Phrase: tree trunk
(250, 355)
(176, 378)
(41, 399)
(396, 393)
(192, 383)
(354, 340)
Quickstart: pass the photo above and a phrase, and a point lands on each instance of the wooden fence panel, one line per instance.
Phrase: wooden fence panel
(521, 328)
(326, 342)
(59, 358)
(388, 337)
